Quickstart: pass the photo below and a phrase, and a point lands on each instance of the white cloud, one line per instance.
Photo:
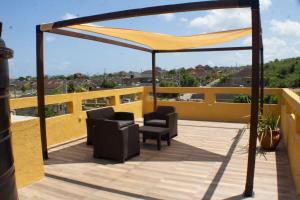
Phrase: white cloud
(278, 48)
(183, 19)
(68, 16)
(168, 17)
(66, 64)
(223, 19)
(265, 4)
(50, 39)
(247, 41)
(286, 28)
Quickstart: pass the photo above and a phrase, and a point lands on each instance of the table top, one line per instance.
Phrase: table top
(153, 129)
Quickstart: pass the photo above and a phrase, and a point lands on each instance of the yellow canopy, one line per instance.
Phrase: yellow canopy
(157, 41)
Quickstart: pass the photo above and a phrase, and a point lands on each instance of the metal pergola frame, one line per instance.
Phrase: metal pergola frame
(257, 87)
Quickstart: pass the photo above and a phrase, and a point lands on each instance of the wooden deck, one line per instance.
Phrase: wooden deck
(206, 161)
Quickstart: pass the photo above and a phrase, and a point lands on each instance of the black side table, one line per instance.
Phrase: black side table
(158, 133)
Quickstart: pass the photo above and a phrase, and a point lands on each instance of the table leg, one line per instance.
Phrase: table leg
(169, 142)
(144, 139)
(158, 141)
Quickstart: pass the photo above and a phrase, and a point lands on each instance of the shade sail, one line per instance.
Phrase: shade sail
(158, 41)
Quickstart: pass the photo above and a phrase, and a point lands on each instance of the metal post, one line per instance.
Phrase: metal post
(40, 88)
(254, 99)
(154, 82)
(262, 81)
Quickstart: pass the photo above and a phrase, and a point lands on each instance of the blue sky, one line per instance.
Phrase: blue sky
(63, 55)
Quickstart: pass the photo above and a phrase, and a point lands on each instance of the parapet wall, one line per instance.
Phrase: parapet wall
(63, 128)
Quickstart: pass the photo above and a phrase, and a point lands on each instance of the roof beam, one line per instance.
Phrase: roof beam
(205, 49)
(155, 10)
(98, 39)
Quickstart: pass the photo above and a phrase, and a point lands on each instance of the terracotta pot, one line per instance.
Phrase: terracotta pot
(265, 140)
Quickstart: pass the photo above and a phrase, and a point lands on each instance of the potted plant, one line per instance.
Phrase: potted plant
(268, 131)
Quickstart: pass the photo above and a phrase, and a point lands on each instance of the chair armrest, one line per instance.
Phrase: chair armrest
(149, 116)
(106, 125)
(171, 119)
(130, 140)
(133, 127)
(124, 116)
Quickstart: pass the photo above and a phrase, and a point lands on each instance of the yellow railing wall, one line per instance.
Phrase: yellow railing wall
(63, 128)
(26, 134)
(71, 126)
(210, 109)
(290, 126)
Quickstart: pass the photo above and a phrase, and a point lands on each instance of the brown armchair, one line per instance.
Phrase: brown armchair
(113, 142)
(122, 118)
(164, 116)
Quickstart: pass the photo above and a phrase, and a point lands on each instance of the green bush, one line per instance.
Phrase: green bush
(224, 78)
(242, 98)
(270, 99)
(188, 80)
(108, 84)
(165, 83)
(49, 111)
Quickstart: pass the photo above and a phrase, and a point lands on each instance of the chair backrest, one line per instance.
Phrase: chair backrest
(164, 110)
(102, 113)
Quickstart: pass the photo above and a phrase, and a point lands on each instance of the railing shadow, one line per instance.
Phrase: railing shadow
(98, 187)
(178, 151)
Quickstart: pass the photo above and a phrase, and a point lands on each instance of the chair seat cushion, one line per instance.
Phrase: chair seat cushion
(156, 122)
(124, 123)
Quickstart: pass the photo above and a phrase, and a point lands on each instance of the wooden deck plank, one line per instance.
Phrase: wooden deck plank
(205, 161)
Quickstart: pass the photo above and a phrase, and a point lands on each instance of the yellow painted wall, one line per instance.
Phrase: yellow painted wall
(290, 125)
(27, 152)
(71, 126)
(209, 109)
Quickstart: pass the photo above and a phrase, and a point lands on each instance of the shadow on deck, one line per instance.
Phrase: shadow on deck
(206, 161)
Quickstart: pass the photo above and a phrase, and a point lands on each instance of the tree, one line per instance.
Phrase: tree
(172, 72)
(61, 77)
(21, 78)
(108, 84)
(165, 83)
(71, 88)
(283, 73)
(224, 78)
(188, 80)
(70, 77)
(25, 86)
